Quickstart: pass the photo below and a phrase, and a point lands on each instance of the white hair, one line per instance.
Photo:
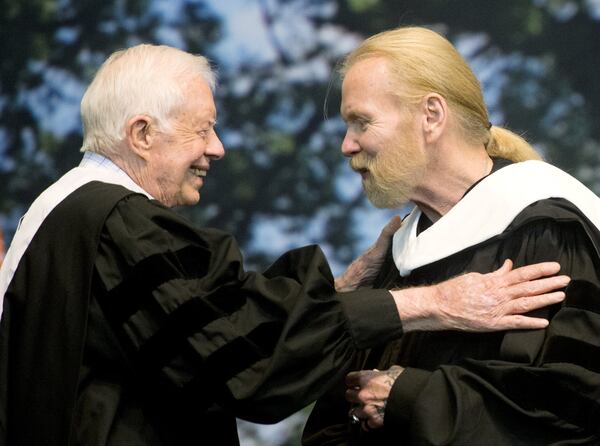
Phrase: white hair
(144, 79)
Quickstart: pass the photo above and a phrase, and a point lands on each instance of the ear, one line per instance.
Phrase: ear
(139, 134)
(435, 116)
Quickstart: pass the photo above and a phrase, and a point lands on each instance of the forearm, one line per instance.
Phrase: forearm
(482, 302)
(416, 309)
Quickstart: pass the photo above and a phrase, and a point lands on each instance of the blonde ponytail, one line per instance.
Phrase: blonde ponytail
(506, 144)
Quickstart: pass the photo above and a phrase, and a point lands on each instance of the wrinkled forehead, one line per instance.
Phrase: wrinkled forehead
(366, 80)
(198, 103)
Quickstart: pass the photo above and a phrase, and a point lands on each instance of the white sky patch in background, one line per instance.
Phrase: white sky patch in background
(55, 103)
(339, 40)
(169, 35)
(294, 29)
(168, 10)
(244, 35)
(273, 236)
(269, 434)
(348, 184)
(369, 221)
(594, 8)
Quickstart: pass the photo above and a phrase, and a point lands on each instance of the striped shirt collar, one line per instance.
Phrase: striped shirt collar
(95, 160)
(92, 159)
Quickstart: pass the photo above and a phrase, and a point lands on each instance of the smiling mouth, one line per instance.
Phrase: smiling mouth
(198, 172)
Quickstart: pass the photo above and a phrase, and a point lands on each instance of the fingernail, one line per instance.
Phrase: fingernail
(560, 295)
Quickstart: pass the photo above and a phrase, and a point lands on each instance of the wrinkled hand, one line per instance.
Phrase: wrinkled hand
(368, 391)
(365, 268)
(485, 302)
(496, 301)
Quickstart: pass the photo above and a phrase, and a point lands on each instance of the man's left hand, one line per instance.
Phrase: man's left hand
(369, 390)
(363, 270)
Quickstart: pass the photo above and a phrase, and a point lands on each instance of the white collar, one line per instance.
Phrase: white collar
(486, 211)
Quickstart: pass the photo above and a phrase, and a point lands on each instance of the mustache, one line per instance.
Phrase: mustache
(361, 162)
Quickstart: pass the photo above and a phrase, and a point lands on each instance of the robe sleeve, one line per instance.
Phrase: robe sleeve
(195, 325)
(328, 423)
(544, 387)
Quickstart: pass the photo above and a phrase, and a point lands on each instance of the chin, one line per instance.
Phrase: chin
(385, 204)
(191, 200)
(383, 200)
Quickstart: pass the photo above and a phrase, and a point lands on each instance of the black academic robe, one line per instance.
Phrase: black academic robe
(527, 388)
(124, 324)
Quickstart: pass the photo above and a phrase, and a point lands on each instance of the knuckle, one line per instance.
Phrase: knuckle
(362, 395)
(519, 306)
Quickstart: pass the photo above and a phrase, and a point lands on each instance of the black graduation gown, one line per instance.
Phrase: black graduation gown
(123, 324)
(538, 387)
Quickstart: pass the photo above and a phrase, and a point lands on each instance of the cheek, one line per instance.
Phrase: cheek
(198, 148)
(191, 150)
(172, 171)
(178, 159)
(368, 144)
(376, 142)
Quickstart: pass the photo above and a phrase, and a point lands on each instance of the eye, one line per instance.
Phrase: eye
(205, 132)
(359, 125)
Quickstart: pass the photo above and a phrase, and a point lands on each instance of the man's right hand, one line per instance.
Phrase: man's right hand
(483, 302)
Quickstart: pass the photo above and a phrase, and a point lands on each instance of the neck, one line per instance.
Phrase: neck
(135, 168)
(448, 177)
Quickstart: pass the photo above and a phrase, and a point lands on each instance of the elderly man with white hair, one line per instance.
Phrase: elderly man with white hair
(122, 323)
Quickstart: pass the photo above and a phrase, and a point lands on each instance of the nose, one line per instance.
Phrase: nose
(350, 146)
(215, 149)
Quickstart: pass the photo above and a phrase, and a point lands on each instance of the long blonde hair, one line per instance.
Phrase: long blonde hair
(423, 62)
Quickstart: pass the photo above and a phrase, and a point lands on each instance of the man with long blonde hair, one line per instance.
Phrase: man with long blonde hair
(419, 131)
